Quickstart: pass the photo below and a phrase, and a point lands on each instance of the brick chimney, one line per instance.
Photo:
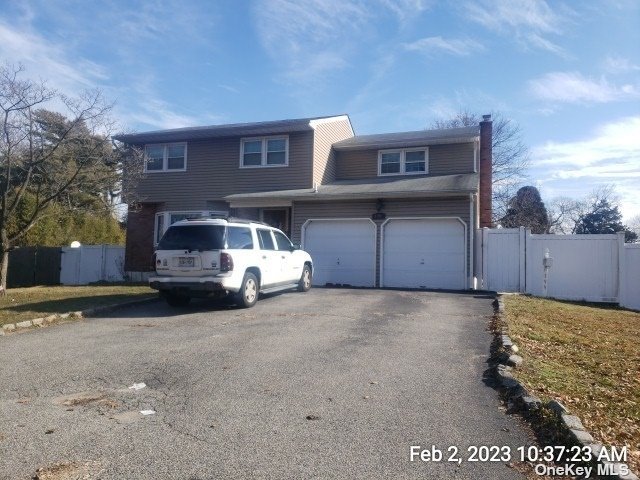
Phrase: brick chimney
(486, 138)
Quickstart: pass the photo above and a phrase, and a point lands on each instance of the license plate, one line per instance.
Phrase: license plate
(185, 261)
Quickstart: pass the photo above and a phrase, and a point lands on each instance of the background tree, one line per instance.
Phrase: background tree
(526, 209)
(603, 218)
(634, 226)
(563, 214)
(52, 158)
(510, 156)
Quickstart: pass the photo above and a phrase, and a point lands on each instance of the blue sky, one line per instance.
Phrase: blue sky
(567, 72)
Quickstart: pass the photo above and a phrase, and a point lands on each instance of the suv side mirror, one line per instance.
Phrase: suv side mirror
(295, 246)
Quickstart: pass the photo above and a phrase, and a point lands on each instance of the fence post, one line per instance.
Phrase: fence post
(484, 246)
(622, 268)
(103, 263)
(523, 259)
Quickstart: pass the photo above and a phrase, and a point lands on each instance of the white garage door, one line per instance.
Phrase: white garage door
(424, 253)
(343, 251)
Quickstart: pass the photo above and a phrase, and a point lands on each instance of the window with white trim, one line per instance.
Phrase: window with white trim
(165, 219)
(264, 152)
(165, 157)
(406, 161)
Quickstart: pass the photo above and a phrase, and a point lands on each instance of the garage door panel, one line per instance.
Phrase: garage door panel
(343, 251)
(424, 253)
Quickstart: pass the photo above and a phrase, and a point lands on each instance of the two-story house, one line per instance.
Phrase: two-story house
(387, 210)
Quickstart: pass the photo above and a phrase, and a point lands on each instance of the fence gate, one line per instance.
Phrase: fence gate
(29, 266)
(503, 268)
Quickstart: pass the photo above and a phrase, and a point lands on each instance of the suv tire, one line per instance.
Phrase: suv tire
(304, 285)
(177, 300)
(248, 294)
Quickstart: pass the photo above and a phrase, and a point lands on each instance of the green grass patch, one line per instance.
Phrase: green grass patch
(33, 302)
(586, 356)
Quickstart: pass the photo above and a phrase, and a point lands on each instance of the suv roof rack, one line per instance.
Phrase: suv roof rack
(228, 218)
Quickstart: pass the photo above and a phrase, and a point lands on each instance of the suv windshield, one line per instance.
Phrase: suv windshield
(193, 237)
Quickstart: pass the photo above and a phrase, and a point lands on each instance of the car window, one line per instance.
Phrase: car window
(266, 242)
(239, 238)
(193, 237)
(282, 241)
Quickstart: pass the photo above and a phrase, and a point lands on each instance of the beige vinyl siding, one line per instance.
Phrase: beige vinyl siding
(326, 134)
(213, 171)
(393, 208)
(443, 160)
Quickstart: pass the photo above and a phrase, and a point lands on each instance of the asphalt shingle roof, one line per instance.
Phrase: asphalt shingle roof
(375, 188)
(214, 131)
(409, 139)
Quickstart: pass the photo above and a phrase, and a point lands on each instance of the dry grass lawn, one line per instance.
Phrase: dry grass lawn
(35, 302)
(588, 357)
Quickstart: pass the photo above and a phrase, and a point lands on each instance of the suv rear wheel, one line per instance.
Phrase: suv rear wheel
(248, 294)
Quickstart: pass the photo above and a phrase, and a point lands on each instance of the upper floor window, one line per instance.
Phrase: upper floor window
(168, 157)
(407, 161)
(264, 152)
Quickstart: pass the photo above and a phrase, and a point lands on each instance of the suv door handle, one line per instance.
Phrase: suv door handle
(282, 256)
(264, 257)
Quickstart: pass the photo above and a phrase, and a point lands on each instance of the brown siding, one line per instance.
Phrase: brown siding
(213, 171)
(326, 134)
(139, 243)
(443, 160)
(440, 207)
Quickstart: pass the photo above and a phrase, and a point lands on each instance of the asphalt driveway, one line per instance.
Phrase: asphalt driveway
(328, 384)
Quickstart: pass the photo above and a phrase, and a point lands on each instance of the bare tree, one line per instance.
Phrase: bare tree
(563, 214)
(566, 214)
(510, 156)
(51, 157)
(634, 225)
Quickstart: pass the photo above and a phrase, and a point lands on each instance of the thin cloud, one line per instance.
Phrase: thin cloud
(314, 39)
(573, 87)
(610, 155)
(452, 46)
(615, 64)
(528, 21)
(50, 61)
(613, 145)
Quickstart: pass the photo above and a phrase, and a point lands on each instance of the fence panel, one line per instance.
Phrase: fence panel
(29, 266)
(630, 277)
(91, 263)
(582, 267)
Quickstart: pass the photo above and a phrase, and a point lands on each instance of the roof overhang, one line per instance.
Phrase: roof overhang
(276, 127)
(419, 187)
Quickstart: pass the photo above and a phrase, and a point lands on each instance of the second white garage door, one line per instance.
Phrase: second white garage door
(424, 253)
(343, 251)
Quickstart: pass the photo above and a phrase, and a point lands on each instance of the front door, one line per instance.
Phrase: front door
(278, 218)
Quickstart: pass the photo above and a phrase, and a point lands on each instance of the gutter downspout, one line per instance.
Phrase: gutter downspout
(472, 226)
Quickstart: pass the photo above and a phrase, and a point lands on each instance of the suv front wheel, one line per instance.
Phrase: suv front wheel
(304, 285)
(248, 294)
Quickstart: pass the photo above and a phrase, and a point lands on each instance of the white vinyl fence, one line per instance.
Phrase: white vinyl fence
(595, 268)
(91, 263)
(630, 277)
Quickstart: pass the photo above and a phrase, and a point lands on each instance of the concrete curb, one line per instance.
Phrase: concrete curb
(519, 398)
(89, 312)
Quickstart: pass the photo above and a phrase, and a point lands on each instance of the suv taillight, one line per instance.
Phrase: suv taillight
(226, 262)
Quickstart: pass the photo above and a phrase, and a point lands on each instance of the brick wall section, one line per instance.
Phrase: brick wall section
(139, 246)
(486, 138)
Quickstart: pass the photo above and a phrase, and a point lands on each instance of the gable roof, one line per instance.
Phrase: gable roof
(272, 127)
(410, 139)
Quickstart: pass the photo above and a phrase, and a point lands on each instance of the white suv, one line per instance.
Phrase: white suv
(227, 256)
